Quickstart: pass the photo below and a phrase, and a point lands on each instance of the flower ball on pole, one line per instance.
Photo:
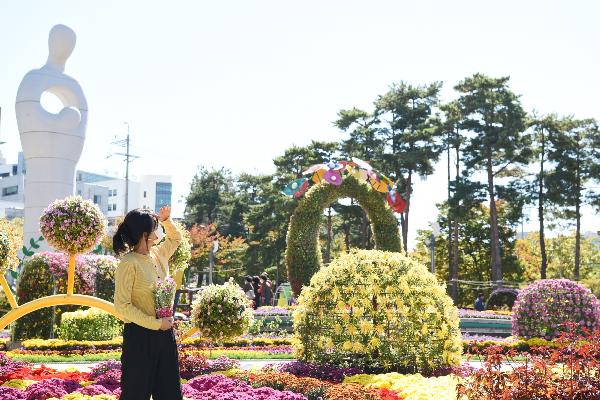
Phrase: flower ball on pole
(73, 226)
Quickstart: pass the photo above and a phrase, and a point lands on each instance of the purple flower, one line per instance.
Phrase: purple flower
(545, 307)
(103, 367)
(54, 387)
(219, 387)
(8, 393)
(93, 390)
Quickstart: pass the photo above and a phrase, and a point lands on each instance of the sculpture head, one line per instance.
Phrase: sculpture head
(61, 43)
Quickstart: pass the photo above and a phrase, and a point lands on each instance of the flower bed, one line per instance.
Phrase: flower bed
(411, 386)
(241, 348)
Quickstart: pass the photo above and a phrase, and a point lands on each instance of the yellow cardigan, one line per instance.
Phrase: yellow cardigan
(135, 278)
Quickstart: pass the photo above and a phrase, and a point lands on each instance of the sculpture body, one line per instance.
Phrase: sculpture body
(52, 143)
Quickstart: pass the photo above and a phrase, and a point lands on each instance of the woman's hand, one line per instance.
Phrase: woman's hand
(166, 324)
(164, 213)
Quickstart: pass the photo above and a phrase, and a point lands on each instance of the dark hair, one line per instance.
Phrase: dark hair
(248, 278)
(255, 279)
(264, 275)
(132, 229)
(479, 294)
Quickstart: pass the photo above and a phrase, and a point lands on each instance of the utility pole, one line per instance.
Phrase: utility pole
(128, 159)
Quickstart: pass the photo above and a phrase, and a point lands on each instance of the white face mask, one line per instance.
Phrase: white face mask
(160, 233)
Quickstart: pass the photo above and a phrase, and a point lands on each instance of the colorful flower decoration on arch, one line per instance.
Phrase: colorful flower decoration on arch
(296, 188)
(334, 173)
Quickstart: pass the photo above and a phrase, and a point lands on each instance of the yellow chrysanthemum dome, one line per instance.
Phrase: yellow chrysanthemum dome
(378, 311)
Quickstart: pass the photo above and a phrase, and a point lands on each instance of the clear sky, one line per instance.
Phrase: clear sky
(234, 83)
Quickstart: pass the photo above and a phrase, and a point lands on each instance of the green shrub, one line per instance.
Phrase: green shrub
(303, 254)
(183, 253)
(379, 311)
(593, 283)
(90, 324)
(38, 275)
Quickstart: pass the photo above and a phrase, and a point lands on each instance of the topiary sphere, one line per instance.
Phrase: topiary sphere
(221, 312)
(379, 311)
(4, 252)
(542, 308)
(73, 225)
(502, 297)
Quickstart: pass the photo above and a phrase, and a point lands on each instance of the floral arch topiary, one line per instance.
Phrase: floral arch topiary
(303, 254)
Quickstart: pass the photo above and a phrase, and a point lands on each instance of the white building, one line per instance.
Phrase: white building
(150, 191)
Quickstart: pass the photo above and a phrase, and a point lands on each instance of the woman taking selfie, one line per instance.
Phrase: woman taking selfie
(149, 360)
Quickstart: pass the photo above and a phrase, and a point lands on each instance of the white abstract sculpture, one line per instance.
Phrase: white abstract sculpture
(52, 143)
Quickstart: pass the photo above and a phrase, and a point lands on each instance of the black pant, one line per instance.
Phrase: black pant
(150, 365)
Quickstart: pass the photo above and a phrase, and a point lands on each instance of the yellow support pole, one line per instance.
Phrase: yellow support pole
(189, 333)
(9, 294)
(57, 300)
(71, 275)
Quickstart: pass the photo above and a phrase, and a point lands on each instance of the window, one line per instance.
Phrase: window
(14, 169)
(97, 199)
(144, 194)
(6, 174)
(9, 191)
(163, 194)
(114, 192)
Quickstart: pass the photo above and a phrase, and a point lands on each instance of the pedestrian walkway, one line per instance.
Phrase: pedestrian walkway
(86, 367)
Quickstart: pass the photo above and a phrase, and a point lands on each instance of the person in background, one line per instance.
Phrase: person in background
(480, 303)
(256, 284)
(266, 290)
(249, 289)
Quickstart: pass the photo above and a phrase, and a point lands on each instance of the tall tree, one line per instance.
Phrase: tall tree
(450, 131)
(365, 144)
(474, 245)
(497, 145)
(575, 158)
(408, 133)
(210, 191)
(543, 128)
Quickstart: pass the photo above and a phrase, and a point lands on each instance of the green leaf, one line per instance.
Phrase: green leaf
(40, 239)
(27, 252)
(33, 244)
(14, 274)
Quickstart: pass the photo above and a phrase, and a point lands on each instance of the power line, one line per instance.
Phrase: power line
(129, 158)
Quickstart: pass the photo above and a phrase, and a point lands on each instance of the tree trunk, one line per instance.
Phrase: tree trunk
(364, 230)
(347, 237)
(454, 277)
(404, 219)
(451, 265)
(496, 261)
(578, 211)
(328, 251)
(577, 239)
(544, 265)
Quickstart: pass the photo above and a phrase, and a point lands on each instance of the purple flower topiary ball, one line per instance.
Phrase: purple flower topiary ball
(543, 308)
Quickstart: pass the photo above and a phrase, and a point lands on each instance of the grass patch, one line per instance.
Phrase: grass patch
(116, 355)
(74, 358)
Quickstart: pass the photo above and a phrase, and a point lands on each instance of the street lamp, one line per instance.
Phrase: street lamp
(211, 260)
(430, 241)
